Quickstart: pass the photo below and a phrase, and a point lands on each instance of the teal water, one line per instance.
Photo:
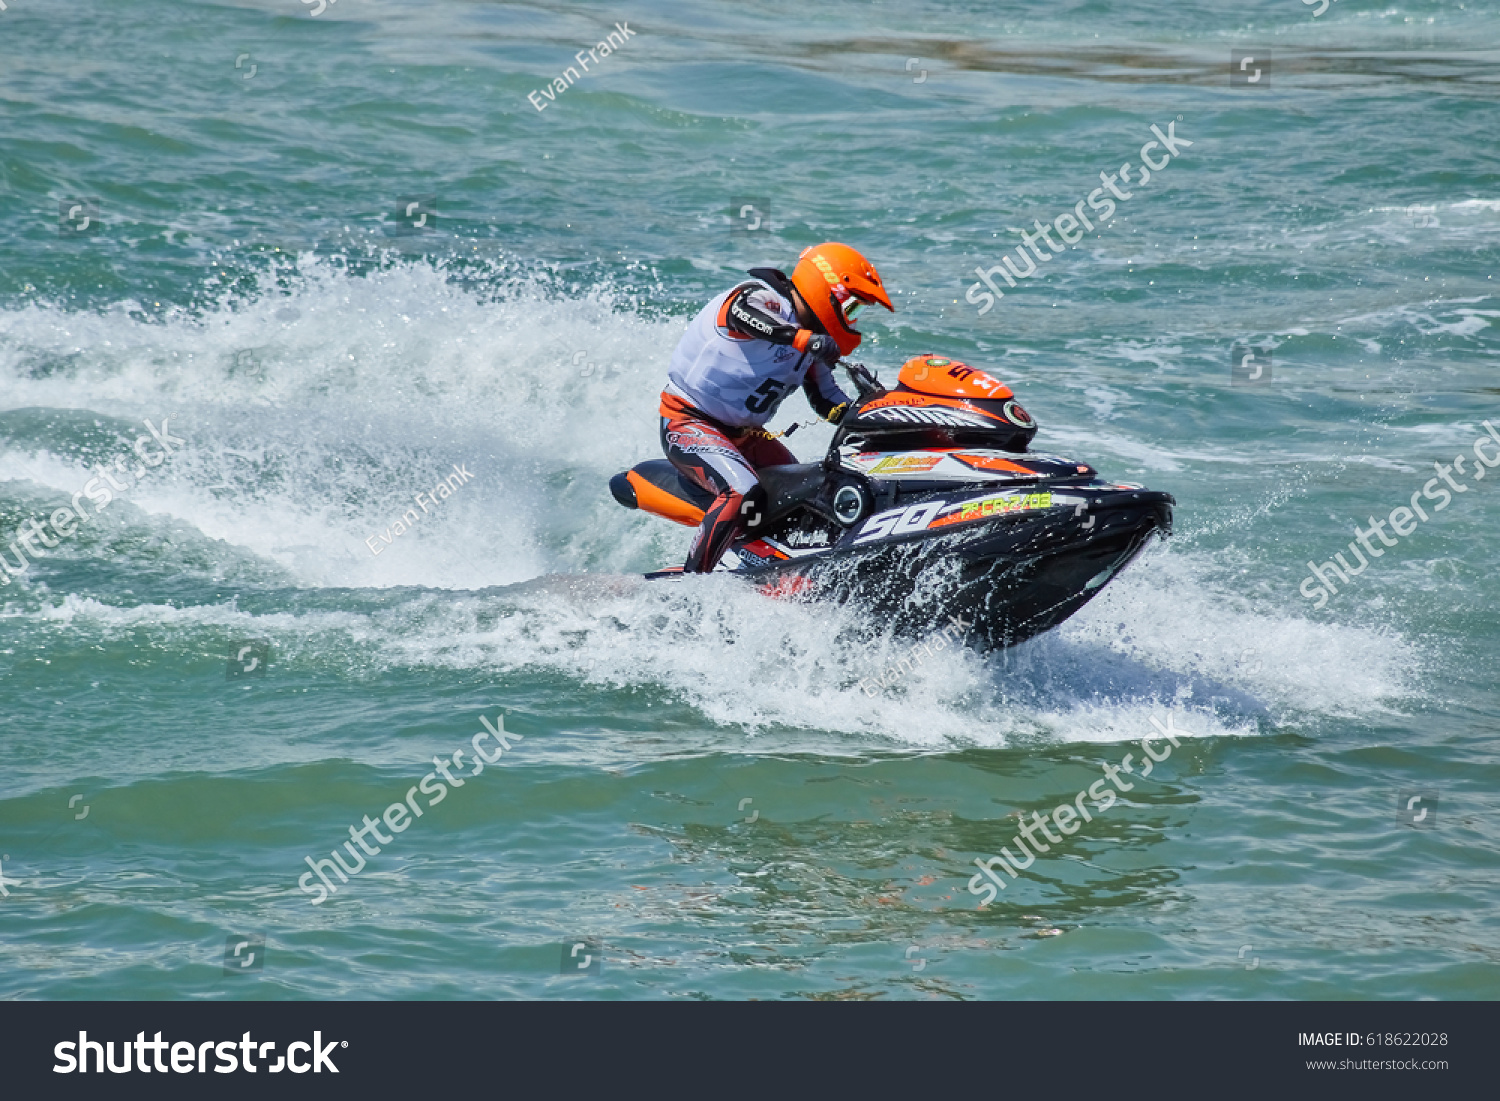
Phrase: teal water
(704, 794)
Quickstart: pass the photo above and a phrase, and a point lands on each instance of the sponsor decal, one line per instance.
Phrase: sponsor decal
(981, 461)
(801, 538)
(745, 317)
(905, 464)
(968, 376)
(937, 375)
(947, 418)
(986, 507)
(759, 553)
(826, 268)
(899, 521)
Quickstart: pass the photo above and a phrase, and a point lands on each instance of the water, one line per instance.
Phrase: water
(705, 793)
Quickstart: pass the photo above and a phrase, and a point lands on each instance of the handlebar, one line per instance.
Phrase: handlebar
(864, 379)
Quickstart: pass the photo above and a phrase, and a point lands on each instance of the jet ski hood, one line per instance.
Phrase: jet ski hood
(947, 378)
(941, 402)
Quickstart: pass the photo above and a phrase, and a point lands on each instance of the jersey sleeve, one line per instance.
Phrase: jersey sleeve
(757, 313)
(822, 390)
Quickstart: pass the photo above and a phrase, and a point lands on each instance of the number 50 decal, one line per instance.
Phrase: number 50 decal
(899, 521)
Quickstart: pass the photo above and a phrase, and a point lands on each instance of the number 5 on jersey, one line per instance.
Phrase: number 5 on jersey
(764, 399)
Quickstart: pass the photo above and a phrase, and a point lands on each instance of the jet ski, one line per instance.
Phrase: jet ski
(929, 505)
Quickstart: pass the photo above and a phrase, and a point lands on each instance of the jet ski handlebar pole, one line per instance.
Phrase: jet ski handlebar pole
(864, 381)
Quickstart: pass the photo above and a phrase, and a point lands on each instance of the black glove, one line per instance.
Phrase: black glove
(822, 347)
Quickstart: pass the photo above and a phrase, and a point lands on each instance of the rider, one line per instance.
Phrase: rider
(739, 358)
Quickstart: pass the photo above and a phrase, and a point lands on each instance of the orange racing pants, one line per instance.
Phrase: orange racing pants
(721, 460)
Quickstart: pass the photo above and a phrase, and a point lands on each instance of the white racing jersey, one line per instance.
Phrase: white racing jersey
(739, 381)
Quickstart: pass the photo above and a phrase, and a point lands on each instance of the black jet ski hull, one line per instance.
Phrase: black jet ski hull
(1006, 581)
(929, 507)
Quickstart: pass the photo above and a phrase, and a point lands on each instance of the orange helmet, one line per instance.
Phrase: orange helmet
(835, 281)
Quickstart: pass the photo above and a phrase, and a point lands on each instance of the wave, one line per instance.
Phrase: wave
(316, 415)
(1165, 637)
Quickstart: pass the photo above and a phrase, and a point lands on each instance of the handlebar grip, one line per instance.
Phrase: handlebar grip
(864, 381)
